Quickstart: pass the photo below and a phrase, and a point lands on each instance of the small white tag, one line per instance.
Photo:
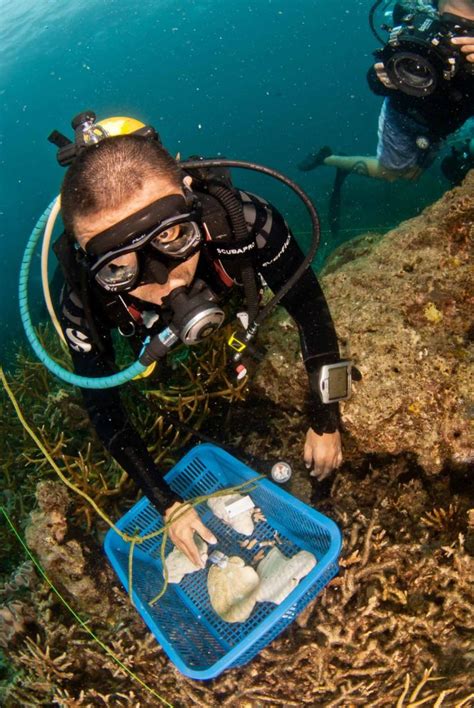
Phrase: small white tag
(238, 507)
(149, 318)
(243, 318)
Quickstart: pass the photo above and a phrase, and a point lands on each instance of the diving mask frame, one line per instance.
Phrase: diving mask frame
(140, 231)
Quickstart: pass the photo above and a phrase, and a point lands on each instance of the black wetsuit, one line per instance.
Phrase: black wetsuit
(277, 257)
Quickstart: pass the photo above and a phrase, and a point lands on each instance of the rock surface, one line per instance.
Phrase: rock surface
(64, 560)
(403, 306)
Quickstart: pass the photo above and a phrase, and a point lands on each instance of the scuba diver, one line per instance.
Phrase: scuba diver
(425, 71)
(459, 161)
(152, 247)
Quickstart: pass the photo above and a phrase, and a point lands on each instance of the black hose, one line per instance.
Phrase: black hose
(233, 207)
(265, 311)
(372, 12)
(89, 315)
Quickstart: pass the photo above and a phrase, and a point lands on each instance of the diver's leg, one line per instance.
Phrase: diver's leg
(362, 165)
(404, 149)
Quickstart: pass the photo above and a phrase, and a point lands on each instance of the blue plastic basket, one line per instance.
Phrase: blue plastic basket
(197, 641)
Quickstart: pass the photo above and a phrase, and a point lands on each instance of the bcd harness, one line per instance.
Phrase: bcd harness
(229, 249)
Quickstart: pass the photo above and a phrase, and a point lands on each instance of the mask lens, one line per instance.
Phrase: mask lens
(119, 274)
(178, 241)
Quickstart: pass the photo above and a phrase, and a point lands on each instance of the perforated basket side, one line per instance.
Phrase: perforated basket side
(288, 617)
(195, 638)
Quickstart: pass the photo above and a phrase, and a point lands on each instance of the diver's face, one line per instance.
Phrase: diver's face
(86, 227)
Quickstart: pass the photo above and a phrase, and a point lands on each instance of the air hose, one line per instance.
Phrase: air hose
(372, 12)
(158, 346)
(59, 371)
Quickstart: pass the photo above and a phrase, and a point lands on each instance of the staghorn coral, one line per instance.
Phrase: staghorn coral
(395, 626)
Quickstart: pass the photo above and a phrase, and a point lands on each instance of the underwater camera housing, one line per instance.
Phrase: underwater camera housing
(418, 56)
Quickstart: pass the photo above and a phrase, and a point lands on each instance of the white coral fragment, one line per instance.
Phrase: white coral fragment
(233, 590)
(242, 523)
(279, 575)
(179, 565)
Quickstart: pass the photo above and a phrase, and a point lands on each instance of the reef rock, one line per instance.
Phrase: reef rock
(242, 523)
(64, 561)
(178, 565)
(279, 575)
(233, 590)
(402, 305)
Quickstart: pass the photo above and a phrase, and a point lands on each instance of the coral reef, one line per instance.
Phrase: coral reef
(394, 628)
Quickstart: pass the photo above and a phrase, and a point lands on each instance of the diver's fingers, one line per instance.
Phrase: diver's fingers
(382, 75)
(469, 51)
(308, 455)
(466, 45)
(205, 533)
(323, 472)
(186, 544)
(324, 467)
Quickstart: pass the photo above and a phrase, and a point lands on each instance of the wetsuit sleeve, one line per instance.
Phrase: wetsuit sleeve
(278, 256)
(105, 408)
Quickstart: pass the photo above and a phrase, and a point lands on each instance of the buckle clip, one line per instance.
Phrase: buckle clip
(235, 343)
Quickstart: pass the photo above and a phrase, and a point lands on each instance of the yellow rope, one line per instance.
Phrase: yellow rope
(45, 452)
(83, 624)
(136, 539)
(130, 572)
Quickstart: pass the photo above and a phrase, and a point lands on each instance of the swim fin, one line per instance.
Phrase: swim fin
(314, 159)
(334, 211)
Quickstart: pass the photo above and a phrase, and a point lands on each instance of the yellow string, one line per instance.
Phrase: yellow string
(48, 457)
(136, 539)
(83, 624)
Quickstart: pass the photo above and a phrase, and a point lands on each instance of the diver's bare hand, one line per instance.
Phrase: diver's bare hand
(466, 45)
(182, 531)
(322, 453)
(383, 76)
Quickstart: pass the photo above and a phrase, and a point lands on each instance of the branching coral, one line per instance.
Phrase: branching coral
(440, 519)
(393, 628)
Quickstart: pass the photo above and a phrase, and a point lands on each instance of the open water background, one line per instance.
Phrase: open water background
(262, 80)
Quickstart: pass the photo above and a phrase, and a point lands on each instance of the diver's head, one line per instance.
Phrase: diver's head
(125, 201)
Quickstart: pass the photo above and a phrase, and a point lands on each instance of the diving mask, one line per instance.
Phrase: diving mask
(135, 250)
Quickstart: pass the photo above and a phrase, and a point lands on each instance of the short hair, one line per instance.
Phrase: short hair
(107, 174)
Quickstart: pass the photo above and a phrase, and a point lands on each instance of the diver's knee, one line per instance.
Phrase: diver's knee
(390, 175)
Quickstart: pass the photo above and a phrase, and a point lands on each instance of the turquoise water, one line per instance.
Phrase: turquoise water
(263, 80)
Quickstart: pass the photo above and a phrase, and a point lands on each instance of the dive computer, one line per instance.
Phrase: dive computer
(335, 381)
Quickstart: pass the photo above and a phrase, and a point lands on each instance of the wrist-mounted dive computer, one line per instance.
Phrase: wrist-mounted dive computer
(335, 381)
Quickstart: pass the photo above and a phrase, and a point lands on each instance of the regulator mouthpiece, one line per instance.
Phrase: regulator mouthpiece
(195, 314)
